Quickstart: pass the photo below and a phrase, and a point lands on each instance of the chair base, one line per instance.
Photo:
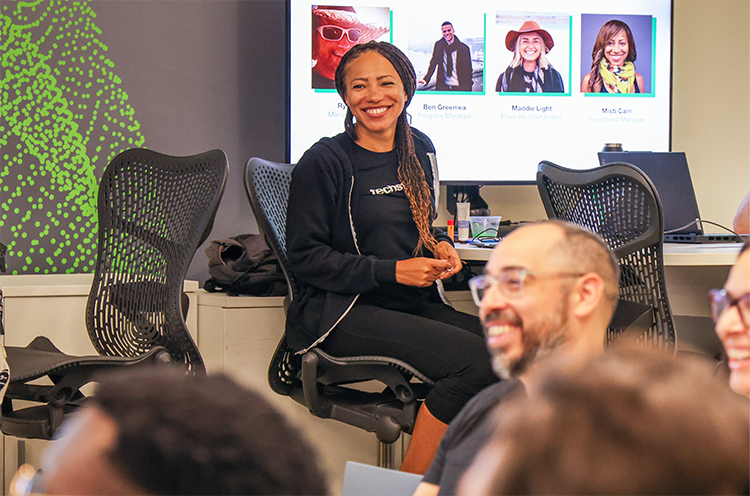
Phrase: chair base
(32, 422)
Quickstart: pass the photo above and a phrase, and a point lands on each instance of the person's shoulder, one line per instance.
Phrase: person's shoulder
(501, 389)
(554, 72)
(585, 83)
(422, 142)
(325, 153)
(476, 409)
(329, 143)
(493, 394)
(504, 77)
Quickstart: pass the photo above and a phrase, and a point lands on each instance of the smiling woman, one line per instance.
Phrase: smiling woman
(612, 66)
(361, 243)
(530, 71)
(376, 98)
(731, 310)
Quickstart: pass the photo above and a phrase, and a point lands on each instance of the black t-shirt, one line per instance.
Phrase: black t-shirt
(384, 223)
(467, 435)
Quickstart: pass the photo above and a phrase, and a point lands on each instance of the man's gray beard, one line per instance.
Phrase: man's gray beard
(534, 348)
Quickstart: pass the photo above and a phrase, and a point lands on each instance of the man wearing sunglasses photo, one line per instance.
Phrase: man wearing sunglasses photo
(730, 307)
(335, 30)
(549, 288)
(452, 58)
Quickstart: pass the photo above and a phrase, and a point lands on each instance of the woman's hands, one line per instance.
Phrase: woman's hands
(446, 251)
(422, 272)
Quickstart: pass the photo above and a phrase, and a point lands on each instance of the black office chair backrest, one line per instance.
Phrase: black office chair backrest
(267, 187)
(620, 203)
(154, 212)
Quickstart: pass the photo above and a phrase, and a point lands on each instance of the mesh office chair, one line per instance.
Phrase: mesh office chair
(318, 380)
(154, 212)
(618, 202)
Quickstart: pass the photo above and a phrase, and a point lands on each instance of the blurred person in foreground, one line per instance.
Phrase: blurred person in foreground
(731, 311)
(549, 288)
(742, 217)
(163, 432)
(630, 421)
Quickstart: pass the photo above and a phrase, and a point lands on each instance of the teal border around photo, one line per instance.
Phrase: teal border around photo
(652, 93)
(570, 71)
(390, 40)
(484, 72)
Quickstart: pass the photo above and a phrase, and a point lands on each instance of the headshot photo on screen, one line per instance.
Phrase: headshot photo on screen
(616, 54)
(335, 29)
(526, 55)
(530, 71)
(446, 47)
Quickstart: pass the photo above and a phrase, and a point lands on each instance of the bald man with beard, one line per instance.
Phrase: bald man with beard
(548, 288)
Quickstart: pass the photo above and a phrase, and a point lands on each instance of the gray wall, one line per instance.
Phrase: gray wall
(204, 74)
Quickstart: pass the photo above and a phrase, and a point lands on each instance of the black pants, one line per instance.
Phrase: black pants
(446, 345)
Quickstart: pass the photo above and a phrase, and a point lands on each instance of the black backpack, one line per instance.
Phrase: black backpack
(244, 264)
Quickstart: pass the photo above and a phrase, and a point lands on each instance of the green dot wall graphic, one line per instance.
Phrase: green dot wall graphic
(63, 116)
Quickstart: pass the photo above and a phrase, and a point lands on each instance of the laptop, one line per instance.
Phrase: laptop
(670, 174)
(367, 480)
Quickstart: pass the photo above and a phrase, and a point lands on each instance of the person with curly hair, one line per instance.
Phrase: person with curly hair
(613, 62)
(159, 431)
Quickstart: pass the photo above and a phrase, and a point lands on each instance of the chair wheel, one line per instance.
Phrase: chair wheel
(388, 430)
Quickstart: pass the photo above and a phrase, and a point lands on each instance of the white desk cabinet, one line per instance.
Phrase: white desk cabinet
(52, 305)
(238, 335)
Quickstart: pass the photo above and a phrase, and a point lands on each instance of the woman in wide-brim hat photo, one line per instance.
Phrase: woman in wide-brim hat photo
(530, 71)
(335, 30)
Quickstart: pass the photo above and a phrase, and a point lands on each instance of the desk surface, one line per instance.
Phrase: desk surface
(24, 285)
(675, 254)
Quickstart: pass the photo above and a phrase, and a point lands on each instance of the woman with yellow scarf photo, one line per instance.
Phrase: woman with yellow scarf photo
(612, 66)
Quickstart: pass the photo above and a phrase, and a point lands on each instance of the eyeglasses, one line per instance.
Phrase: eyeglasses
(335, 33)
(23, 481)
(510, 282)
(721, 301)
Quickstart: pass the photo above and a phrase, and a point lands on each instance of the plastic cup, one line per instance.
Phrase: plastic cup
(485, 226)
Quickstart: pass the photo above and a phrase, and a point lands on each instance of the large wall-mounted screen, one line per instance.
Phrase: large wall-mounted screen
(505, 84)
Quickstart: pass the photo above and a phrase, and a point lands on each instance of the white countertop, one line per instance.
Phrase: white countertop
(675, 254)
(57, 285)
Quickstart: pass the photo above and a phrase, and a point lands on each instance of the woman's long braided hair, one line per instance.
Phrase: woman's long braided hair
(410, 171)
